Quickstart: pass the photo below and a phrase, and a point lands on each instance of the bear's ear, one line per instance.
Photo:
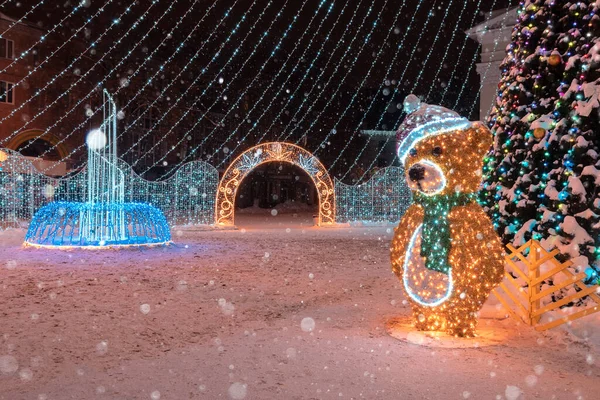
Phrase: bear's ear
(479, 138)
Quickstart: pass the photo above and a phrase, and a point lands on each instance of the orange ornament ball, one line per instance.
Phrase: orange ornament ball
(554, 59)
(539, 133)
(3, 156)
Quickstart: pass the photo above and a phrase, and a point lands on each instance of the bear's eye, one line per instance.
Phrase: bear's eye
(437, 151)
(413, 152)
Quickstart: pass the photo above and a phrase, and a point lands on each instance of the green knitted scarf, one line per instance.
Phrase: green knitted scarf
(435, 233)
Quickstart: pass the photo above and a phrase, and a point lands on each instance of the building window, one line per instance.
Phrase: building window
(6, 92)
(7, 48)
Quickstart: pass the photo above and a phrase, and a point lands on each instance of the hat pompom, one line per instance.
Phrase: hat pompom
(411, 103)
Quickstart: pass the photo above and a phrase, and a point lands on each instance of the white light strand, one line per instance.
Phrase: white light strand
(20, 20)
(213, 81)
(273, 80)
(322, 145)
(161, 68)
(445, 91)
(139, 68)
(277, 47)
(282, 86)
(60, 23)
(317, 80)
(52, 80)
(457, 58)
(392, 96)
(400, 46)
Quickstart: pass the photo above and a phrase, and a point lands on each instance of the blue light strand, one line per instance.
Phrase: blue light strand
(52, 80)
(214, 80)
(64, 93)
(244, 92)
(391, 99)
(276, 76)
(382, 148)
(273, 98)
(322, 145)
(135, 73)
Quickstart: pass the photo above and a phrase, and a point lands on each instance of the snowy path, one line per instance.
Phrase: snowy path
(221, 315)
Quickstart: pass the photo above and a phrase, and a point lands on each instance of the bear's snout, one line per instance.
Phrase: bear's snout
(416, 173)
(426, 177)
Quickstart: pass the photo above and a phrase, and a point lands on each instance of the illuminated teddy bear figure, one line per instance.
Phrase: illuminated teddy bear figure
(445, 251)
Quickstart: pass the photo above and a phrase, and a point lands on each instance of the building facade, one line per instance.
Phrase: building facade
(494, 34)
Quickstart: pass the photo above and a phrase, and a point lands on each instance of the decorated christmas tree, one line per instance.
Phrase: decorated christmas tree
(541, 177)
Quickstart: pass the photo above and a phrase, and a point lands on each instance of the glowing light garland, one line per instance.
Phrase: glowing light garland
(20, 20)
(135, 73)
(362, 83)
(274, 152)
(99, 84)
(445, 89)
(52, 80)
(273, 52)
(281, 111)
(214, 80)
(60, 23)
(429, 15)
(104, 219)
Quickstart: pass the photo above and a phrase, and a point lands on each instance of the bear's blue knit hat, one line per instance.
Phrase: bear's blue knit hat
(424, 120)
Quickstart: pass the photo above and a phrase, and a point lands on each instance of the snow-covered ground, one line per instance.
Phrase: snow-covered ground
(275, 310)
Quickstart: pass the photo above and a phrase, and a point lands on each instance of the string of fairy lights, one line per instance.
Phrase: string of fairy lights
(284, 136)
(284, 84)
(383, 147)
(26, 52)
(488, 67)
(162, 67)
(400, 46)
(106, 77)
(54, 79)
(20, 20)
(135, 73)
(373, 63)
(241, 96)
(214, 80)
(312, 97)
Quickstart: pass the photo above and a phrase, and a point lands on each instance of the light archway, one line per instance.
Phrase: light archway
(277, 152)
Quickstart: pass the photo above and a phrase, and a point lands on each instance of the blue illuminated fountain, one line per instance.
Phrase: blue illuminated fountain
(104, 219)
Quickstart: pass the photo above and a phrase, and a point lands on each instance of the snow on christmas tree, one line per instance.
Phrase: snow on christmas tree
(542, 177)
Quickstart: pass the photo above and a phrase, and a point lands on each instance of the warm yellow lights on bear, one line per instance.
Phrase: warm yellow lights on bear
(445, 251)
